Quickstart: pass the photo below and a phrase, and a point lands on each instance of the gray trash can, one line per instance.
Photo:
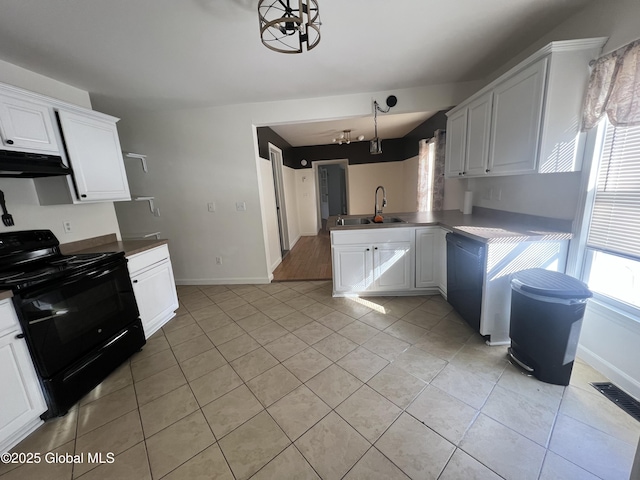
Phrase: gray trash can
(546, 317)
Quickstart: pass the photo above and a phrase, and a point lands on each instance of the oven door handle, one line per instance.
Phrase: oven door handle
(56, 314)
(92, 275)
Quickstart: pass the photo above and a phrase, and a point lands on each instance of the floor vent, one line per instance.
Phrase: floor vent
(621, 399)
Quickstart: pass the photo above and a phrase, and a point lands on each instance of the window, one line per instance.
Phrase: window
(612, 254)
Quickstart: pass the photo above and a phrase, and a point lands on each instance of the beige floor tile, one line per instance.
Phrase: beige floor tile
(375, 466)
(268, 333)
(279, 311)
(294, 321)
(406, 331)
(167, 409)
(583, 374)
(368, 412)
(231, 410)
(44, 470)
(191, 348)
(114, 437)
(181, 335)
(230, 305)
(306, 364)
(207, 465)
(273, 288)
(249, 447)
(591, 449)
(353, 308)
(242, 312)
(263, 304)
(298, 411)
(290, 464)
(225, 334)
(358, 332)
(157, 385)
(300, 302)
(177, 443)
(210, 290)
(362, 363)
(193, 303)
(119, 378)
(336, 320)
(52, 434)
(436, 306)
(400, 306)
(420, 364)
(557, 468)
(504, 451)
(439, 346)
(155, 344)
(211, 311)
(285, 347)
(379, 320)
(184, 290)
(333, 385)
(335, 346)
(131, 463)
(453, 329)
(105, 409)
(273, 384)
(417, 450)
(332, 447)
(443, 413)
(286, 295)
(238, 347)
(317, 310)
(462, 466)
(472, 389)
(312, 332)
(200, 364)
(253, 363)
(397, 385)
(386, 346)
(212, 323)
(153, 364)
(215, 384)
(483, 360)
(516, 411)
(543, 393)
(178, 322)
(422, 319)
(223, 296)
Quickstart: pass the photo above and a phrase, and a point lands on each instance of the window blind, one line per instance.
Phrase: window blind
(615, 221)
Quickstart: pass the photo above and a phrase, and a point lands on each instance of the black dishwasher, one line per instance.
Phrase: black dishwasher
(465, 274)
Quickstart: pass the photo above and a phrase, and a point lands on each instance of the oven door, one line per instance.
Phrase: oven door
(65, 320)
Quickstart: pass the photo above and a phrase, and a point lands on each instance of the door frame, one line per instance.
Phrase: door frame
(316, 176)
(275, 157)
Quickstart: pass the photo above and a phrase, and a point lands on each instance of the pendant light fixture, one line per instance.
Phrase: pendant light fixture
(375, 146)
(286, 26)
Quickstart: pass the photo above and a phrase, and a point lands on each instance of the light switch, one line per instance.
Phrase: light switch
(211, 206)
(241, 206)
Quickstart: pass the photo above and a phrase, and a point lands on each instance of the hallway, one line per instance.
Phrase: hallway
(309, 259)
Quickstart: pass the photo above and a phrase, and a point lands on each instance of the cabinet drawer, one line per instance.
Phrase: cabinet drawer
(373, 235)
(143, 260)
(8, 318)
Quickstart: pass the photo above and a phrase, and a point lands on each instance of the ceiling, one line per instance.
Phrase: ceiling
(163, 54)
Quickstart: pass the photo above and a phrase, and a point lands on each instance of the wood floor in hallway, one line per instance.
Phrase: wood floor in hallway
(309, 259)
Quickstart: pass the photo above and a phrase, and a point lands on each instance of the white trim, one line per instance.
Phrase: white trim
(629, 384)
(283, 221)
(224, 281)
(275, 264)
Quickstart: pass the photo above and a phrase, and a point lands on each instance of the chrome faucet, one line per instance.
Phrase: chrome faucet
(384, 201)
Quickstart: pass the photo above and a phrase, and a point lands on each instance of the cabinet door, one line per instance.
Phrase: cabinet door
(392, 266)
(441, 260)
(478, 130)
(456, 143)
(27, 126)
(516, 121)
(426, 257)
(94, 150)
(352, 268)
(155, 293)
(21, 402)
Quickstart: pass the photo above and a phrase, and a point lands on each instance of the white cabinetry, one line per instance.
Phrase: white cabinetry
(372, 261)
(21, 402)
(431, 258)
(527, 120)
(27, 126)
(154, 287)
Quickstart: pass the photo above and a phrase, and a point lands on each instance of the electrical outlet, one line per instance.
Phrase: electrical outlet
(211, 206)
(241, 206)
(218, 260)
(499, 194)
(67, 227)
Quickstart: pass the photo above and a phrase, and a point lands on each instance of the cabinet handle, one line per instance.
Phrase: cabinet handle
(135, 281)
(487, 170)
(20, 335)
(459, 173)
(367, 250)
(83, 195)
(9, 142)
(375, 248)
(464, 173)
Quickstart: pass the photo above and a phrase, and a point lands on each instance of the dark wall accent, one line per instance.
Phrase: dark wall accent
(425, 130)
(266, 136)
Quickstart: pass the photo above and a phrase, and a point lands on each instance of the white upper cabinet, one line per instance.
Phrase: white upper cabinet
(527, 120)
(27, 126)
(93, 147)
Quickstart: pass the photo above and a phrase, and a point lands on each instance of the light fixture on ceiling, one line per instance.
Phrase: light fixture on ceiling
(375, 146)
(288, 25)
(345, 137)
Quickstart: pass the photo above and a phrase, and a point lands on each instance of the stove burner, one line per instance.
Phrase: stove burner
(79, 259)
(11, 276)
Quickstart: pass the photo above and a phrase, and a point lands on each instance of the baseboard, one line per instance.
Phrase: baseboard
(275, 264)
(223, 281)
(293, 243)
(308, 234)
(617, 376)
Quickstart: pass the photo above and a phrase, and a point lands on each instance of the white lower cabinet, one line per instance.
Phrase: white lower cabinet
(21, 402)
(154, 287)
(426, 257)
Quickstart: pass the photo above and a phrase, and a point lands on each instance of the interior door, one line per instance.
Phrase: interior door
(275, 155)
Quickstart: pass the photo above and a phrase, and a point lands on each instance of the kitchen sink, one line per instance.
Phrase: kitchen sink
(392, 220)
(353, 221)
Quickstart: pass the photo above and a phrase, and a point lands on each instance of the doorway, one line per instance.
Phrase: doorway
(332, 187)
(275, 155)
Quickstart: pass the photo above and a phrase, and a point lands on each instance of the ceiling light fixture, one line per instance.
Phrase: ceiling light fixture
(288, 25)
(345, 137)
(375, 146)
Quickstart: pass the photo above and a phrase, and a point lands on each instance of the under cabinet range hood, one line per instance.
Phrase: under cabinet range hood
(31, 165)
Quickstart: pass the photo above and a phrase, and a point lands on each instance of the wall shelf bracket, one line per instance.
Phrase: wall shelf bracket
(155, 211)
(138, 156)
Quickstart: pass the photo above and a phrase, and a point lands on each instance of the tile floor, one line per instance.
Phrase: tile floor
(283, 381)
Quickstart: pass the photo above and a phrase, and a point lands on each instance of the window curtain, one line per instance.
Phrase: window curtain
(614, 89)
(431, 173)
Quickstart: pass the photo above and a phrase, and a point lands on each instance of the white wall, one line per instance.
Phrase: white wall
(270, 213)
(306, 195)
(290, 196)
(363, 180)
(410, 184)
(22, 202)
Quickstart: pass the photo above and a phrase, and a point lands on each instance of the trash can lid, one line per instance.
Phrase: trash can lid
(550, 284)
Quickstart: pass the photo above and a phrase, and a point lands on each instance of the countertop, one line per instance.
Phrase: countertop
(485, 225)
(109, 243)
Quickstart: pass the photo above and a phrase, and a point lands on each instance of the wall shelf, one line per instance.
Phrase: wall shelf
(138, 156)
(139, 236)
(139, 198)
